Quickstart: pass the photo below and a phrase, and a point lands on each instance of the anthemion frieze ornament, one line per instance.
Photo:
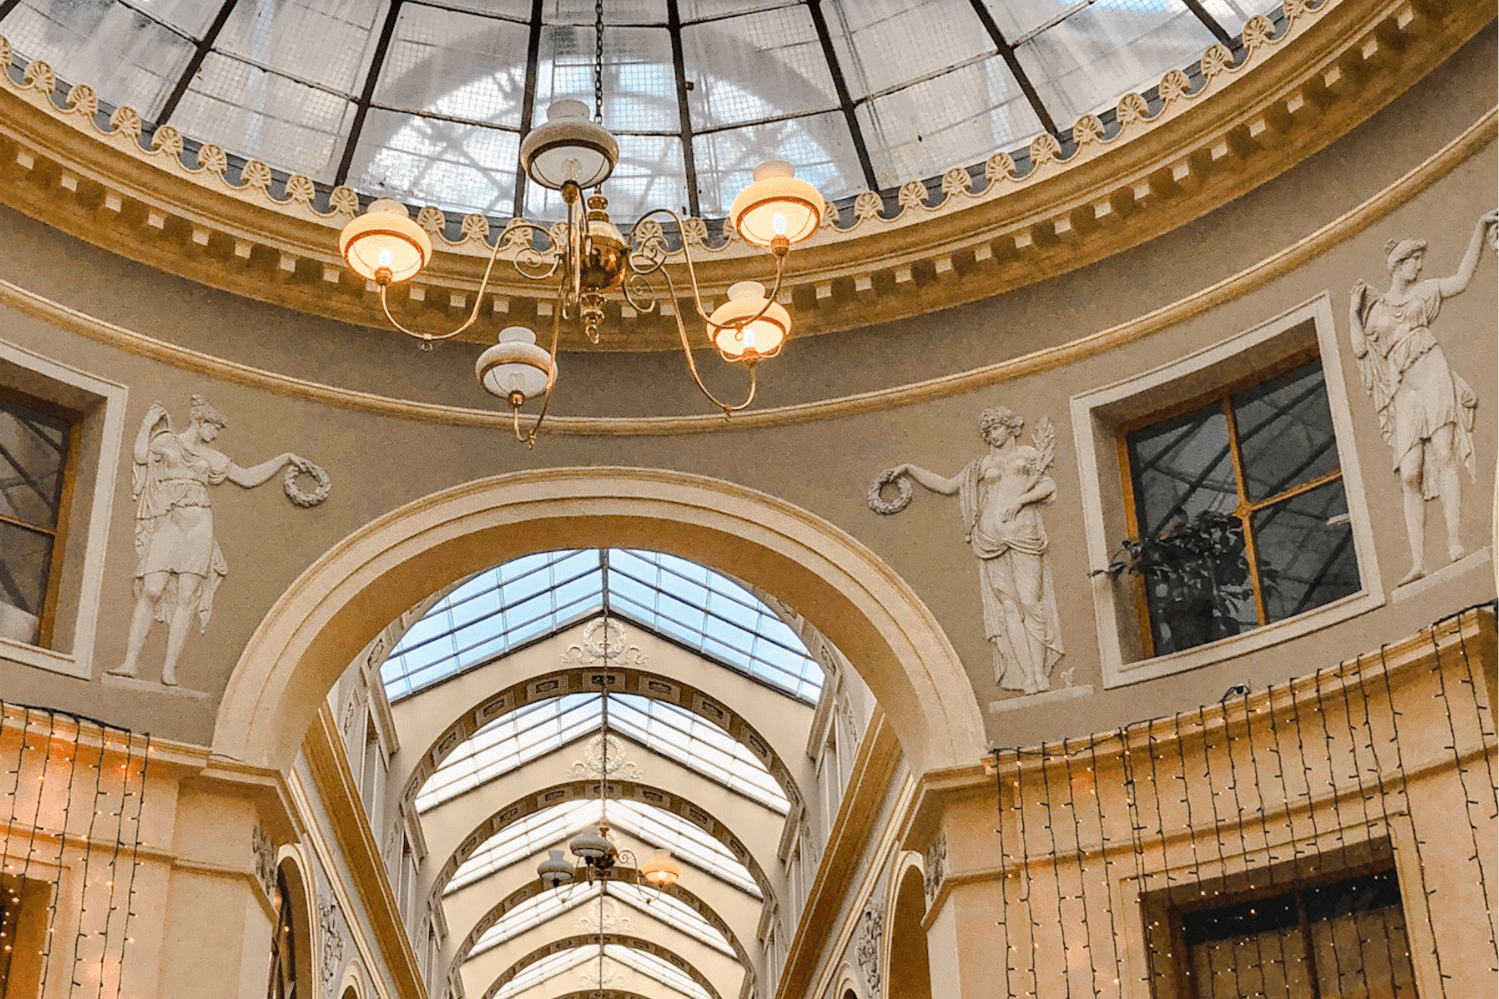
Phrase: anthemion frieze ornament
(1001, 494)
(178, 562)
(1426, 410)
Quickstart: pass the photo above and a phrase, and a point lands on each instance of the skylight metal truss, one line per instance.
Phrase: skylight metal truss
(551, 827)
(527, 598)
(549, 905)
(533, 730)
(636, 960)
(859, 93)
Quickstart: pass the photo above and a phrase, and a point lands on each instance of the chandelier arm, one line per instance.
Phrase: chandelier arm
(546, 400)
(697, 296)
(429, 338)
(692, 363)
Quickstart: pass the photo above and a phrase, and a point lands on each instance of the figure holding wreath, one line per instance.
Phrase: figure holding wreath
(178, 562)
(1001, 495)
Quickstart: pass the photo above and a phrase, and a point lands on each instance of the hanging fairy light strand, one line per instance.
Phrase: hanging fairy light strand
(1261, 847)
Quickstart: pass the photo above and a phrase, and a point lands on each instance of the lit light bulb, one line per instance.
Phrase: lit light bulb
(778, 224)
(749, 338)
(385, 257)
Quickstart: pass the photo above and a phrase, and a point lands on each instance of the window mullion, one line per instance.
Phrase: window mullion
(1244, 509)
(1305, 487)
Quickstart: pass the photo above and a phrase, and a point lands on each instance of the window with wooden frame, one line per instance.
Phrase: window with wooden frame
(1336, 934)
(1236, 509)
(38, 454)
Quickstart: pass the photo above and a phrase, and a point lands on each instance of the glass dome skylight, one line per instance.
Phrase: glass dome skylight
(426, 100)
(533, 596)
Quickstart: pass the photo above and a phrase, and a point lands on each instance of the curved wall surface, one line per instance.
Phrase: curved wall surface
(1290, 251)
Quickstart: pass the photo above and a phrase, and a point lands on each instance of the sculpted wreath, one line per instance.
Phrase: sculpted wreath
(889, 477)
(294, 491)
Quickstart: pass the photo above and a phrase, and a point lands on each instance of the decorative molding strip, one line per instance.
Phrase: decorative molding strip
(1476, 137)
(1164, 161)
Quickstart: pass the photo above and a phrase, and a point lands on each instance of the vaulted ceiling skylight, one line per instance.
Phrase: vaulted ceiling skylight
(536, 595)
(534, 730)
(550, 827)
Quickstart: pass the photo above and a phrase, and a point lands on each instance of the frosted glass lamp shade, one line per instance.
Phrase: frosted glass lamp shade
(515, 368)
(383, 245)
(661, 870)
(569, 146)
(591, 846)
(776, 207)
(735, 331)
(554, 871)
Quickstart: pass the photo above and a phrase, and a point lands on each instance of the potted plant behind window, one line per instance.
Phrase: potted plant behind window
(1198, 576)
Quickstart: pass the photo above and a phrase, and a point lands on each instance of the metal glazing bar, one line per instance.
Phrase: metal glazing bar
(1251, 548)
(845, 101)
(1007, 53)
(679, 64)
(362, 108)
(205, 44)
(1210, 22)
(533, 60)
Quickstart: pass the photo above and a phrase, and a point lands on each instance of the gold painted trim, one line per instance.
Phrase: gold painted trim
(1473, 139)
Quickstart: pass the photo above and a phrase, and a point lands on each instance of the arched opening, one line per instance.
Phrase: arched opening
(910, 973)
(320, 624)
(290, 975)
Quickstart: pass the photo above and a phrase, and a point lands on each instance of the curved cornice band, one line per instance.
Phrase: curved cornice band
(1478, 135)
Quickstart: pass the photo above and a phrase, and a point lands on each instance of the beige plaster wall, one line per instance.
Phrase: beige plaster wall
(378, 463)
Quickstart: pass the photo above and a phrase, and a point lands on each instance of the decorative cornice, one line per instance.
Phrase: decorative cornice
(1164, 160)
(1473, 139)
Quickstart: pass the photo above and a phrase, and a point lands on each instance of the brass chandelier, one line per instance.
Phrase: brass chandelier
(568, 153)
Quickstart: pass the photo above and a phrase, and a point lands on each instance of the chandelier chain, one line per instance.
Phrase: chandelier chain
(598, 61)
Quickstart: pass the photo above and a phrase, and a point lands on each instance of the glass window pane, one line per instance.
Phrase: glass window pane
(266, 116)
(1202, 590)
(1088, 61)
(320, 41)
(957, 119)
(819, 146)
(1285, 432)
(429, 160)
(1182, 468)
(33, 454)
(757, 66)
(886, 43)
(25, 562)
(127, 57)
(640, 85)
(1305, 548)
(454, 64)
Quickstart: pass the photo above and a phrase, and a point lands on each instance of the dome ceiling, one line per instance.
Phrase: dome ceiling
(426, 100)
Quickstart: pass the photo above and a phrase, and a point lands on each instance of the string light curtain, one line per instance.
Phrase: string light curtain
(1297, 841)
(72, 793)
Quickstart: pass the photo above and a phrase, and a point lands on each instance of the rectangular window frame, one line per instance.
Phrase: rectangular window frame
(78, 574)
(1097, 416)
(1247, 507)
(59, 531)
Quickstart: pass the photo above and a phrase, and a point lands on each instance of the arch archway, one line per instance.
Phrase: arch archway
(580, 941)
(325, 618)
(909, 975)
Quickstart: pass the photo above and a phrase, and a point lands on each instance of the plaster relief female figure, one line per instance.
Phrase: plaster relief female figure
(1426, 411)
(179, 565)
(1000, 496)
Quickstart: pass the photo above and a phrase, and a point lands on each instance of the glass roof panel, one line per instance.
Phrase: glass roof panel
(548, 967)
(534, 730)
(264, 115)
(924, 87)
(657, 968)
(883, 44)
(950, 120)
(551, 827)
(1084, 62)
(673, 912)
(323, 42)
(500, 608)
(533, 912)
(125, 55)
